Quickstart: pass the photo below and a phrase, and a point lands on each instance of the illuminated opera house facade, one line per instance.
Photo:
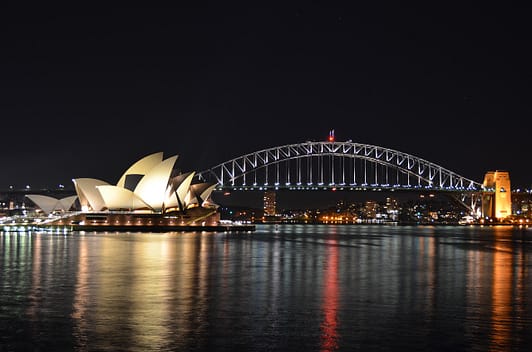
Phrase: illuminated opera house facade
(150, 193)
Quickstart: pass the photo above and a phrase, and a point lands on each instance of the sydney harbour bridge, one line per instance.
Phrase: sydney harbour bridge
(322, 165)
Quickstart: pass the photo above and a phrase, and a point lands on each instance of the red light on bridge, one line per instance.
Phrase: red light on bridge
(331, 136)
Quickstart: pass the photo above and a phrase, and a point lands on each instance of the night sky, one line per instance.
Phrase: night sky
(87, 91)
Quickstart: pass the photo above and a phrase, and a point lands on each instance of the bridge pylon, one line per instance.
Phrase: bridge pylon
(497, 195)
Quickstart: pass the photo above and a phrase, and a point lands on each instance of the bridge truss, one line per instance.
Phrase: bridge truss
(326, 165)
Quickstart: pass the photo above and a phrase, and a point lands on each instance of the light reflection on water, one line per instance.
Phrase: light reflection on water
(284, 287)
(329, 334)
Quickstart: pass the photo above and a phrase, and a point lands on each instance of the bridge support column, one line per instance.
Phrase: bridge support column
(497, 201)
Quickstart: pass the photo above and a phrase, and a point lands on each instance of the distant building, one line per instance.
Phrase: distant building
(370, 209)
(497, 201)
(270, 204)
(392, 209)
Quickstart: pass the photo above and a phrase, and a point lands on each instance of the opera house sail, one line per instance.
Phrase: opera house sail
(149, 194)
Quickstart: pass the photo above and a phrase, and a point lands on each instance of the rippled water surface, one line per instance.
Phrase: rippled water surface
(286, 287)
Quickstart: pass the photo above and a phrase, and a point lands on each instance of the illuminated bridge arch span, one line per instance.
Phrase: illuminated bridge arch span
(317, 165)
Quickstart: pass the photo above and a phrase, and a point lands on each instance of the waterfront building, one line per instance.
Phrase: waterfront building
(150, 193)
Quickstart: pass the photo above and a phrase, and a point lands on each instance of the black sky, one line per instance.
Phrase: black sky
(87, 91)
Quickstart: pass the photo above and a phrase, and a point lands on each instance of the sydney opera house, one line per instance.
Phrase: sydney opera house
(150, 194)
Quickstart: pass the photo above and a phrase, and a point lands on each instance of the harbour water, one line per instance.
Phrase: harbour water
(279, 288)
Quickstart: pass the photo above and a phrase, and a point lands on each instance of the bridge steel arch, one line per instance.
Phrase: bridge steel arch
(323, 165)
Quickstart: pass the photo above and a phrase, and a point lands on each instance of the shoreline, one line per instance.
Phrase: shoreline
(391, 223)
(207, 228)
(130, 228)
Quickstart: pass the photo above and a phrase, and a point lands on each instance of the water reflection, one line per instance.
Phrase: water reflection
(505, 285)
(296, 288)
(139, 292)
(35, 293)
(329, 336)
(497, 290)
(81, 298)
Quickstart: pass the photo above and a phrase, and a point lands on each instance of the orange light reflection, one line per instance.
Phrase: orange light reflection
(501, 296)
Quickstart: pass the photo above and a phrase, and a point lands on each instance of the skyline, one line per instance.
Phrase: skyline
(87, 91)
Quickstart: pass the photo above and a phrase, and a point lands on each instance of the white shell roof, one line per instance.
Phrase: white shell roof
(67, 202)
(180, 192)
(141, 167)
(48, 204)
(117, 198)
(152, 187)
(88, 194)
